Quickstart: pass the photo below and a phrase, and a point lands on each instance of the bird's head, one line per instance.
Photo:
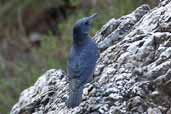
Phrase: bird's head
(82, 26)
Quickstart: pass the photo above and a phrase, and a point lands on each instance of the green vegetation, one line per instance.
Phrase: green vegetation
(20, 68)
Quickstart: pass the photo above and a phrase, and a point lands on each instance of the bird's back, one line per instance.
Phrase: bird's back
(82, 60)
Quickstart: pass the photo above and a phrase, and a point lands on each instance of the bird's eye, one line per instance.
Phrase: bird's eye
(87, 23)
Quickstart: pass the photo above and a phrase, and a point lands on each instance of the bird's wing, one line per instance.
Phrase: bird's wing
(82, 66)
(76, 67)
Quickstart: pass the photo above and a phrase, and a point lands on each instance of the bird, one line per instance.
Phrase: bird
(82, 60)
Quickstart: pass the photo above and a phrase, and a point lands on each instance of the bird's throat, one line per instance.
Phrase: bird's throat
(80, 39)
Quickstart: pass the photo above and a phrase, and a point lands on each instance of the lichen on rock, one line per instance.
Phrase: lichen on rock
(133, 74)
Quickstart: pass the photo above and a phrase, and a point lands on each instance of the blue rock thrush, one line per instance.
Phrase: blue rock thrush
(82, 60)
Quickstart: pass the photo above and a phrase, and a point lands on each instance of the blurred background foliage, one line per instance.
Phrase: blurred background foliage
(35, 35)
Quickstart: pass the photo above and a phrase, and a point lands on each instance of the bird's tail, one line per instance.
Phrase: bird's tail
(75, 94)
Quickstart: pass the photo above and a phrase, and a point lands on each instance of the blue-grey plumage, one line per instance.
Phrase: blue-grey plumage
(82, 60)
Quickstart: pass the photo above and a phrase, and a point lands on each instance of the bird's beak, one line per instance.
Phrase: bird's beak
(92, 17)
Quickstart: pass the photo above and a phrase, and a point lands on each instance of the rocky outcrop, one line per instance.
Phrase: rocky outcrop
(133, 75)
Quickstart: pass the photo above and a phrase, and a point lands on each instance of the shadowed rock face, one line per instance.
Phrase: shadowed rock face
(133, 75)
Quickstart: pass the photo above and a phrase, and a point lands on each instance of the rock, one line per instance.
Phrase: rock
(154, 111)
(115, 30)
(169, 111)
(133, 74)
(164, 2)
(137, 104)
